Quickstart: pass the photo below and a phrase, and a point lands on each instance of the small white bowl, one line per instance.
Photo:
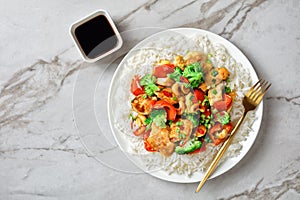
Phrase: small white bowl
(86, 19)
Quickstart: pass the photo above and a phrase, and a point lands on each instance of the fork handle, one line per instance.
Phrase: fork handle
(219, 155)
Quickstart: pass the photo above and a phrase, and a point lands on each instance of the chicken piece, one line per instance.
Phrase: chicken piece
(141, 105)
(168, 149)
(216, 94)
(159, 139)
(213, 77)
(165, 81)
(191, 106)
(193, 56)
(206, 67)
(216, 75)
(174, 134)
(188, 127)
(181, 130)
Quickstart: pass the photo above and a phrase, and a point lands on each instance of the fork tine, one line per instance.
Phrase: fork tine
(258, 91)
(252, 88)
(253, 91)
(267, 87)
(259, 98)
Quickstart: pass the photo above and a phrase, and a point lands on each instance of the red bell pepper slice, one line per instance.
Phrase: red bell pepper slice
(228, 100)
(135, 87)
(196, 151)
(199, 96)
(228, 127)
(167, 94)
(152, 103)
(162, 71)
(223, 105)
(220, 105)
(170, 109)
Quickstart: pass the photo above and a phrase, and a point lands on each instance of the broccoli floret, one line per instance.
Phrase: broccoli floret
(223, 117)
(193, 117)
(148, 81)
(159, 117)
(176, 74)
(189, 147)
(194, 74)
(151, 88)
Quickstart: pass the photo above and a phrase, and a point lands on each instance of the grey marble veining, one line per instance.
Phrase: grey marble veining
(42, 155)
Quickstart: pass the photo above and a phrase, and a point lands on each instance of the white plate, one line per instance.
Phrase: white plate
(120, 135)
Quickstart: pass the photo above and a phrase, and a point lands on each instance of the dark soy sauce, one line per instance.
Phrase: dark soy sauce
(96, 36)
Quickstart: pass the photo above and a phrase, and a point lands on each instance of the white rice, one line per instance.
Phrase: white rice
(141, 62)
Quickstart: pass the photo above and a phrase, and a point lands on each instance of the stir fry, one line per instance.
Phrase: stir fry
(182, 106)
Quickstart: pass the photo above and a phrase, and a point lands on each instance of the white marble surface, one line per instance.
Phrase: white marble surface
(41, 152)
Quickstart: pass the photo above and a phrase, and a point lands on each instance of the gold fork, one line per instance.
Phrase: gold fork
(250, 102)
